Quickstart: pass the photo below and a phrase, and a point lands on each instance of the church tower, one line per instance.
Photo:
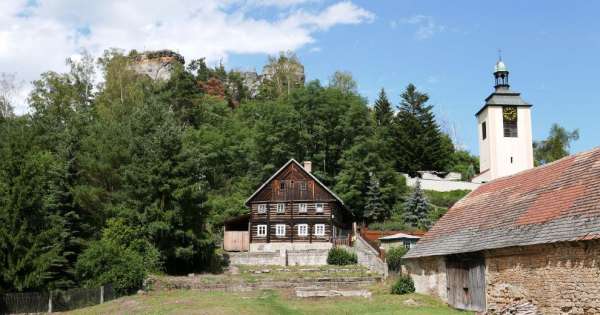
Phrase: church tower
(504, 124)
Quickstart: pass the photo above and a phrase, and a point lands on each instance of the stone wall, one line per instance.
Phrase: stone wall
(313, 257)
(273, 247)
(429, 275)
(257, 258)
(441, 185)
(561, 278)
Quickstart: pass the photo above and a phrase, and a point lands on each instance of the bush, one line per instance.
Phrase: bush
(403, 285)
(340, 256)
(388, 226)
(445, 199)
(106, 262)
(394, 257)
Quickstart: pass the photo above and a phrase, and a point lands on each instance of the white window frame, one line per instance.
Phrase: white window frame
(319, 229)
(302, 208)
(262, 208)
(321, 206)
(280, 230)
(302, 229)
(281, 207)
(261, 230)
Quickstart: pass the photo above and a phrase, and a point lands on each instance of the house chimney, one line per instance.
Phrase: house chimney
(308, 166)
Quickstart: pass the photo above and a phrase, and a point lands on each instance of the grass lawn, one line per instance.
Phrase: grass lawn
(267, 302)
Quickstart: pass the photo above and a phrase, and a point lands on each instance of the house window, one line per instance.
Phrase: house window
(262, 208)
(319, 229)
(280, 230)
(302, 207)
(303, 186)
(261, 230)
(281, 208)
(510, 118)
(302, 229)
(281, 185)
(319, 207)
(483, 131)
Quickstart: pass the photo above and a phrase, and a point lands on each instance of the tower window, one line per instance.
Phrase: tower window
(483, 131)
(510, 118)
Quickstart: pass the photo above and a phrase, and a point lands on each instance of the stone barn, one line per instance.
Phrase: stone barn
(526, 243)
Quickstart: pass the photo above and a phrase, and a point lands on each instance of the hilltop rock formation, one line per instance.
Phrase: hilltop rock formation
(156, 64)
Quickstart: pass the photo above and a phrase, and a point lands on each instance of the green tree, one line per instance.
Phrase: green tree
(416, 209)
(556, 146)
(383, 110)
(281, 76)
(343, 81)
(375, 211)
(8, 89)
(419, 145)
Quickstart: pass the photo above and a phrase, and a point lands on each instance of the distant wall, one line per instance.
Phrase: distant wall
(441, 185)
(283, 254)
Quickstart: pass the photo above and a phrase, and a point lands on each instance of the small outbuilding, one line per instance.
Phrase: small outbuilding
(397, 240)
(530, 241)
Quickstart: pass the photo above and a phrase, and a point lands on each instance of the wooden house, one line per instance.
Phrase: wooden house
(293, 210)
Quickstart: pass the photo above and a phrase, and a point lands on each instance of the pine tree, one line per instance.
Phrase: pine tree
(383, 109)
(418, 142)
(375, 210)
(416, 209)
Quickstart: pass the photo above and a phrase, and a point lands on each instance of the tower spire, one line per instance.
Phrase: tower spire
(501, 73)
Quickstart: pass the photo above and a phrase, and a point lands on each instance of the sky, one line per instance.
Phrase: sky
(446, 48)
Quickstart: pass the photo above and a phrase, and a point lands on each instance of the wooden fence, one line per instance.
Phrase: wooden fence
(55, 301)
(236, 241)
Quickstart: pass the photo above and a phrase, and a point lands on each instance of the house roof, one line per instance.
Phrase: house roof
(556, 202)
(302, 168)
(399, 236)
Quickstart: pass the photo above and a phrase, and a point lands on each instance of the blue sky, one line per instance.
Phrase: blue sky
(446, 48)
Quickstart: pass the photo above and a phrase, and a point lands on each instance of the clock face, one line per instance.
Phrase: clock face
(509, 113)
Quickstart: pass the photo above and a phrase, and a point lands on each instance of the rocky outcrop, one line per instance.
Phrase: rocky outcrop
(158, 65)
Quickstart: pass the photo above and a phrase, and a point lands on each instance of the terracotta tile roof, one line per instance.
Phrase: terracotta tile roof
(556, 202)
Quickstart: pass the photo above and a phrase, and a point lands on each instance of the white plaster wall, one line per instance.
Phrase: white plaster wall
(441, 185)
(496, 150)
(429, 276)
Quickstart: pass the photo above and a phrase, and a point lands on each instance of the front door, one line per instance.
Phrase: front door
(466, 281)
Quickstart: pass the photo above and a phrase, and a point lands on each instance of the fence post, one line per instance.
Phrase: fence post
(101, 294)
(50, 302)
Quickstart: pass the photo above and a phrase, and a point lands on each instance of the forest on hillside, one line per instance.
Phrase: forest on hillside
(105, 182)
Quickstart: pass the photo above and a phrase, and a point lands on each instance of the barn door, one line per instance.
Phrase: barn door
(466, 281)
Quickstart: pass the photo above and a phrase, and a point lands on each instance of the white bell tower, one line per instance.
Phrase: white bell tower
(504, 124)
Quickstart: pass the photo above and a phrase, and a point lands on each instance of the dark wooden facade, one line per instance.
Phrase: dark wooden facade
(283, 198)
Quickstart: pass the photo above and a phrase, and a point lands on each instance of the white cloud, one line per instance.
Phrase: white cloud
(315, 49)
(36, 37)
(426, 25)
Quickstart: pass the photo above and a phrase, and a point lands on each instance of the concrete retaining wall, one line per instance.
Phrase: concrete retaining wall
(312, 257)
(257, 258)
(302, 257)
(273, 247)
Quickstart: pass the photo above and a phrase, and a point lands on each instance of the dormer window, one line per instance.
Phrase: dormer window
(262, 208)
(319, 208)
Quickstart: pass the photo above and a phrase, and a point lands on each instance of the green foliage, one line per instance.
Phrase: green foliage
(404, 285)
(389, 225)
(106, 262)
(556, 146)
(137, 176)
(419, 143)
(465, 164)
(343, 81)
(416, 209)
(340, 256)
(393, 257)
(445, 199)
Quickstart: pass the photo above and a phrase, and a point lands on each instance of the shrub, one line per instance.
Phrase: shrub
(403, 285)
(388, 226)
(394, 257)
(106, 262)
(340, 256)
